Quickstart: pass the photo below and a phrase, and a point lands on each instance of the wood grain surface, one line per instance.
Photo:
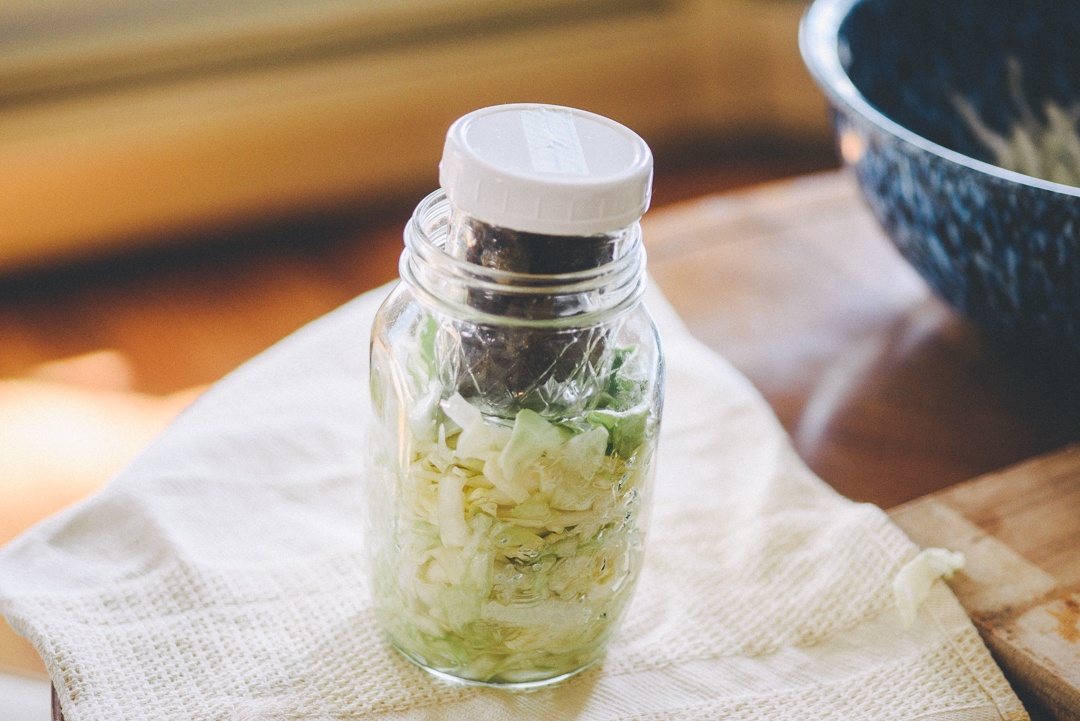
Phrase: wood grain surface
(887, 393)
(1020, 532)
(893, 398)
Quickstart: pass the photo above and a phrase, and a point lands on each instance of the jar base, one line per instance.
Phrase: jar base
(451, 679)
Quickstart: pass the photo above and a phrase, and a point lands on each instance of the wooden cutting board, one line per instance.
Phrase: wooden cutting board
(1020, 531)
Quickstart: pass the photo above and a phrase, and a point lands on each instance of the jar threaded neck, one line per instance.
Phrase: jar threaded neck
(502, 293)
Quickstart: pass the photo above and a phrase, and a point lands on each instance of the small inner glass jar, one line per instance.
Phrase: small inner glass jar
(514, 338)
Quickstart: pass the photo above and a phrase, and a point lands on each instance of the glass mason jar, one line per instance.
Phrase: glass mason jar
(516, 385)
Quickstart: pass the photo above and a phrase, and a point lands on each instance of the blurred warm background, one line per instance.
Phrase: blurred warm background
(184, 183)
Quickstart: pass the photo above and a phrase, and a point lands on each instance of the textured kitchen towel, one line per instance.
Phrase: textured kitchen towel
(222, 575)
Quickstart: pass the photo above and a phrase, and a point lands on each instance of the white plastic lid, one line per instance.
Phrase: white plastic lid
(546, 169)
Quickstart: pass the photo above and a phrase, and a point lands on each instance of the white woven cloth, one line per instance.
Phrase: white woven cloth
(222, 576)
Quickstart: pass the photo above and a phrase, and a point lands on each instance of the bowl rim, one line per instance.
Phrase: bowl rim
(819, 44)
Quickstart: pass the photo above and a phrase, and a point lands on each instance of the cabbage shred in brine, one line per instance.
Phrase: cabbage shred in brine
(517, 384)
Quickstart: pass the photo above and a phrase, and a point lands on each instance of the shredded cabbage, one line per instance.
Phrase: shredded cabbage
(914, 580)
(517, 542)
(1047, 149)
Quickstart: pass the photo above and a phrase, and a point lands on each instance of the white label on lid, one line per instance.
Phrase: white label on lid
(554, 146)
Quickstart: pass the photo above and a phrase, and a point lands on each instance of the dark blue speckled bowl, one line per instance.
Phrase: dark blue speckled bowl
(1000, 246)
